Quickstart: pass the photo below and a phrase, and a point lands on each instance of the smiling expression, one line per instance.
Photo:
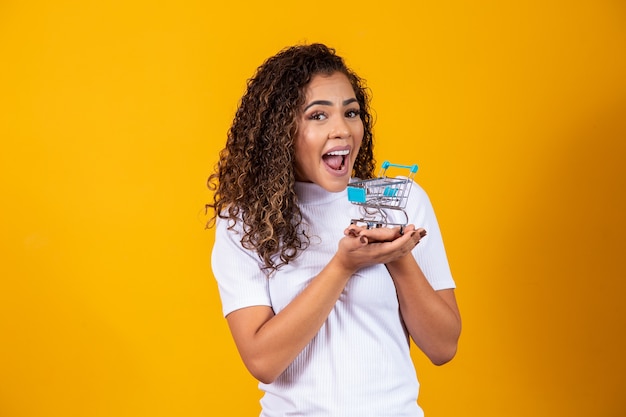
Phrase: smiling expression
(330, 132)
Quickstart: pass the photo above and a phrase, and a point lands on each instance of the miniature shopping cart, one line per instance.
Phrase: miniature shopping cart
(377, 195)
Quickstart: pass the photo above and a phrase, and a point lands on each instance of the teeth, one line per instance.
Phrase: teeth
(342, 153)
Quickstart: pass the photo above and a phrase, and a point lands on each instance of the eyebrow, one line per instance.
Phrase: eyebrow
(329, 103)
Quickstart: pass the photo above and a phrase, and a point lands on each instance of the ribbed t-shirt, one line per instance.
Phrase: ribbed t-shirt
(359, 362)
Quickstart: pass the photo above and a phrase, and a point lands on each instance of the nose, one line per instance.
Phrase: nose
(339, 129)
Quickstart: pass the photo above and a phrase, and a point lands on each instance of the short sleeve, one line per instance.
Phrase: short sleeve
(240, 279)
(430, 253)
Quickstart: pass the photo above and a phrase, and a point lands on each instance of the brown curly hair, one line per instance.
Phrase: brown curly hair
(254, 179)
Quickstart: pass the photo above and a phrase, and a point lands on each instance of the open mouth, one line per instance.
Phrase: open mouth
(336, 160)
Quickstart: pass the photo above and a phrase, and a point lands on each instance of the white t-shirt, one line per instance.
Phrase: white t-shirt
(359, 363)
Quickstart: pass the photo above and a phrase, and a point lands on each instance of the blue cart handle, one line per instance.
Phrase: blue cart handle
(388, 164)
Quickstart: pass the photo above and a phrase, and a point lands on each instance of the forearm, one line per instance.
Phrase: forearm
(431, 317)
(270, 348)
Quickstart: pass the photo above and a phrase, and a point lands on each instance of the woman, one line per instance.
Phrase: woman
(320, 310)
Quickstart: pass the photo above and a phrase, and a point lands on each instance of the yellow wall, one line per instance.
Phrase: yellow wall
(111, 116)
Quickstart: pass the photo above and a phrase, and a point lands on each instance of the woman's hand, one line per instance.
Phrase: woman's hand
(361, 247)
(383, 234)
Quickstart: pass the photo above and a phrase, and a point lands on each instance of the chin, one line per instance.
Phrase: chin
(335, 186)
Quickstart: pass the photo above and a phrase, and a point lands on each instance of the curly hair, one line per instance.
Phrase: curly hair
(253, 181)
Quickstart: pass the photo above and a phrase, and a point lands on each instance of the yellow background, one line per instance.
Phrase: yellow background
(111, 117)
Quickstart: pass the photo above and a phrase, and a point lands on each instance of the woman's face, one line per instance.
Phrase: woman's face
(330, 132)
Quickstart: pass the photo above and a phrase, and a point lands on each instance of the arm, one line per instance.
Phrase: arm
(432, 317)
(269, 342)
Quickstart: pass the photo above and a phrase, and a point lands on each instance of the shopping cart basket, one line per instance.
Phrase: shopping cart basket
(383, 193)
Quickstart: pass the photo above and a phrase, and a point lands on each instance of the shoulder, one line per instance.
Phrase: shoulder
(237, 270)
(418, 202)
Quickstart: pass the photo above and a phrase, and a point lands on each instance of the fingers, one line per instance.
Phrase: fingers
(381, 234)
(421, 232)
(353, 230)
(384, 234)
(361, 247)
(390, 244)
(353, 240)
(417, 235)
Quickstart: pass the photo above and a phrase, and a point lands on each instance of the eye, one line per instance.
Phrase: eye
(318, 115)
(353, 113)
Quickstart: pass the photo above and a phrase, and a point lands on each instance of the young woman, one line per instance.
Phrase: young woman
(321, 310)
